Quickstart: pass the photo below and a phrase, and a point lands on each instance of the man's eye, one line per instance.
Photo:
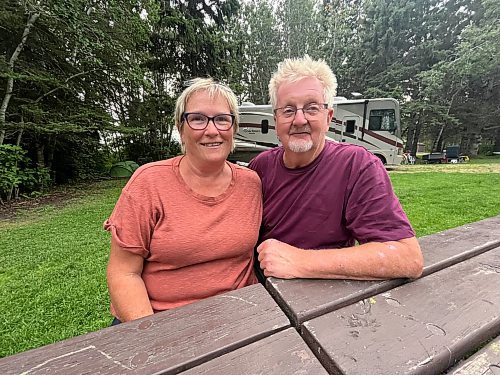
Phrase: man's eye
(288, 111)
(312, 108)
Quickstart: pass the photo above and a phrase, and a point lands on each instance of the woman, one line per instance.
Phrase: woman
(185, 228)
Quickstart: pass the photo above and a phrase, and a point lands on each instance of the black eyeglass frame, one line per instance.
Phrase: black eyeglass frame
(321, 105)
(186, 114)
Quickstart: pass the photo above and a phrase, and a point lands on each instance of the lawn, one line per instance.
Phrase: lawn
(52, 279)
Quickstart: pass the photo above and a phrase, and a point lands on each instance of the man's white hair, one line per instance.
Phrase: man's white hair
(293, 70)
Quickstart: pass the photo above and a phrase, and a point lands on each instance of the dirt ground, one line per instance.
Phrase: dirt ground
(60, 196)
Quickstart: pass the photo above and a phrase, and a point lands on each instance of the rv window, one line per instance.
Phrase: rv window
(382, 119)
(350, 126)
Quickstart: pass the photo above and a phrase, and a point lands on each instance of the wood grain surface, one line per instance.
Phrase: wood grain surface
(166, 343)
(282, 353)
(423, 327)
(484, 362)
(306, 299)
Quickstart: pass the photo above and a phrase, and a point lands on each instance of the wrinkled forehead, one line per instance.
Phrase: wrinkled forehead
(305, 89)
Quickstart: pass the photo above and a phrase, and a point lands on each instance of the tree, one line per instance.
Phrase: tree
(187, 39)
(32, 17)
(259, 50)
(465, 83)
(75, 59)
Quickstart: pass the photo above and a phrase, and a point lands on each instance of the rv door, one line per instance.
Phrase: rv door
(348, 131)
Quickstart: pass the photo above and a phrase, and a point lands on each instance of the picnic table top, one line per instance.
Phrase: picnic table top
(313, 326)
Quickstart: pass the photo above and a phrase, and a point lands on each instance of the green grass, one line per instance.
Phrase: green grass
(437, 201)
(52, 278)
(481, 159)
(53, 259)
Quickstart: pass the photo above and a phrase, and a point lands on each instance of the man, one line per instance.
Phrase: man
(325, 196)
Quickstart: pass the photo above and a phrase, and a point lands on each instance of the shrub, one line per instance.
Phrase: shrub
(486, 149)
(16, 176)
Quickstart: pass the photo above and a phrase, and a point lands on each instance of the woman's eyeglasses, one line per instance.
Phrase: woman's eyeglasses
(199, 121)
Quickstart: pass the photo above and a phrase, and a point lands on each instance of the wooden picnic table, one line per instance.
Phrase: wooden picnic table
(432, 325)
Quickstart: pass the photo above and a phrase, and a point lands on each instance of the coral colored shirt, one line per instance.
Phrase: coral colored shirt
(193, 246)
(343, 196)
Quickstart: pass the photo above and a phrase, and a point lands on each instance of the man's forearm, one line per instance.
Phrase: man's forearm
(370, 261)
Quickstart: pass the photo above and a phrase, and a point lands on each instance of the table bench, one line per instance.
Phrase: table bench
(422, 327)
(282, 353)
(167, 343)
(313, 326)
(302, 300)
(485, 362)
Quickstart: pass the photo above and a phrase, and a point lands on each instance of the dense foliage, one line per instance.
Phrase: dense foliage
(84, 84)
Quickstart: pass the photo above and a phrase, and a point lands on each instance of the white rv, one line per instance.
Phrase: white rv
(371, 123)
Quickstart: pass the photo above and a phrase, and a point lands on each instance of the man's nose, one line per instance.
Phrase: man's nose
(300, 117)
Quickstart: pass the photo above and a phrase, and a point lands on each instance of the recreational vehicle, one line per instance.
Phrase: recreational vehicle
(371, 123)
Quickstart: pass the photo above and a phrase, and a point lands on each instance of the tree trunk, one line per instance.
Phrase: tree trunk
(470, 143)
(21, 131)
(50, 150)
(40, 151)
(437, 146)
(10, 70)
(496, 148)
(414, 134)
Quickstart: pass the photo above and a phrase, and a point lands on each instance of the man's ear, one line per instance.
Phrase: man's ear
(330, 114)
(329, 117)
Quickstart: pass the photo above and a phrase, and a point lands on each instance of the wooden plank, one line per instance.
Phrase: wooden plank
(306, 299)
(167, 343)
(282, 353)
(484, 362)
(422, 327)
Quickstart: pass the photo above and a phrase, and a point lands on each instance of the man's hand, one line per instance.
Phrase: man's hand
(279, 259)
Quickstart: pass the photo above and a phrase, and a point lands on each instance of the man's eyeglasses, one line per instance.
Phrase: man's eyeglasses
(199, 121)
(310, 111)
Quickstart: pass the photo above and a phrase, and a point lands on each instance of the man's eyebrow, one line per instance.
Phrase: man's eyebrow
(306, 102)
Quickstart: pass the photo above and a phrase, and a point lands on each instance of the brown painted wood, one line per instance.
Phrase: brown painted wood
(484, 362)
(306, 299)
(282, 353)
(165, 343)
(422, 327)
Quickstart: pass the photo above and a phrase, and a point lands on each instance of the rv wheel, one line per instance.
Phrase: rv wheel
(382, 159)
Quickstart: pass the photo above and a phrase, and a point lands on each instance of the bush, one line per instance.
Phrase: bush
(486, 149)
(79, 158)
(16, 176)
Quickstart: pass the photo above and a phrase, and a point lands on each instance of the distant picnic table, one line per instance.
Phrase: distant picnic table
(448, 321)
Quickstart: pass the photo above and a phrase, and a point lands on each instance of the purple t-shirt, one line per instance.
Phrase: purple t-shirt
(344, 195)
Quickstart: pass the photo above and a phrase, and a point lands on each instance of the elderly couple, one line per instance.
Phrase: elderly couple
(186, 228)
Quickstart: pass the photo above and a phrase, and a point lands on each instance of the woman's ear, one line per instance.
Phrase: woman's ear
(181, 135)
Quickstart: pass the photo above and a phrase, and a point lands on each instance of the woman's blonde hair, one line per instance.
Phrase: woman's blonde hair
(214, 90)
(293, 70)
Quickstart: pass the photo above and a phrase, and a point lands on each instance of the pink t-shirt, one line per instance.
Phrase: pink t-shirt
(193, 246)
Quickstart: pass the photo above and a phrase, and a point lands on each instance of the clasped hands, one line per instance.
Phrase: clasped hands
(278, 259)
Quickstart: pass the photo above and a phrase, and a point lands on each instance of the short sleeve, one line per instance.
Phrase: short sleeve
(131, 223)
(254, 165)
(373, 212)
